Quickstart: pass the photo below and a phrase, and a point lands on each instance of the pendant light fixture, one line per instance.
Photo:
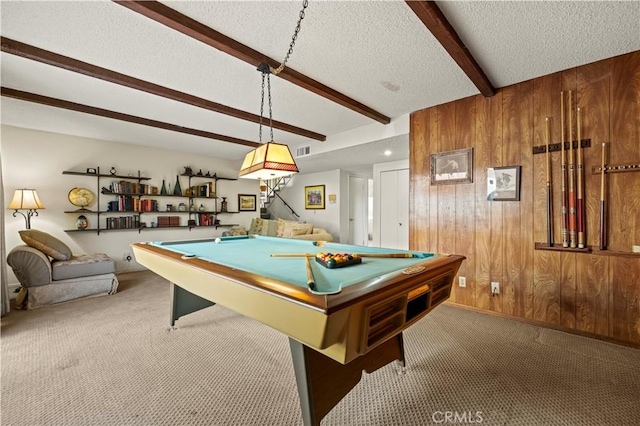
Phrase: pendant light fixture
(271, 160)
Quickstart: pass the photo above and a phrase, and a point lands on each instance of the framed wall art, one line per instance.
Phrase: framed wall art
(503, 183)
(452, 167)
(247, 202)
(314, 197)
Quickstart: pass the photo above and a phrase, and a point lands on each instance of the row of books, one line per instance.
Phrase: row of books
(206, 190)
(127, 187)
(124, 203)
(164, 221)
(123, 222)
(204, 219)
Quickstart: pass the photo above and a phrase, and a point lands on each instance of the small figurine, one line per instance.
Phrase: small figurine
(187, 170)
(208, 174)
(113, 171)
(200, 172)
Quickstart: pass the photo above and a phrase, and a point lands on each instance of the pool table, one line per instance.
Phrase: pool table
(349, 320)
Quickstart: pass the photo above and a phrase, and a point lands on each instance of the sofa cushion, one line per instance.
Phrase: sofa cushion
(256, 226)
(46, 243)
(295, 229)
(83, 266)
(285, 227)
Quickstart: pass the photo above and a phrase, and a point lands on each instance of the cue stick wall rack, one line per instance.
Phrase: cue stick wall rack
(555, 147)
(620, 168)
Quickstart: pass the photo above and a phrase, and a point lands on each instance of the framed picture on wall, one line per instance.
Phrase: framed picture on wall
(314, 197)
(247, 202)
(503, 183)
(452, 167)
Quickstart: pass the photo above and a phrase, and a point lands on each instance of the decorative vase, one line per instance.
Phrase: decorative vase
(201, 208)
(223, 206)
(163, 190)
(82, 223)
(177, 190)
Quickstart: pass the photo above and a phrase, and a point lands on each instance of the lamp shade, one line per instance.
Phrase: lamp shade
(25, 199)
(268, 161)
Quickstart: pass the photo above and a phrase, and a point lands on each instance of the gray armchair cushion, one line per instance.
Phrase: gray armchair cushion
(83, 266)
(31, 266)
(46, 243)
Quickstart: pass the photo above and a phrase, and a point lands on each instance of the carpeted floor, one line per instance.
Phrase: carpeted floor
(114, 361)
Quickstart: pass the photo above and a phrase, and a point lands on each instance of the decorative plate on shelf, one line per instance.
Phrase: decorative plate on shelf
(81, 197)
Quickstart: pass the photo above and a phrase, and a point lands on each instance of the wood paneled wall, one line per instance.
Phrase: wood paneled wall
(594, 293)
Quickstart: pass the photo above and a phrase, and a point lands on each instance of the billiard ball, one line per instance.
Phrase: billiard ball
(218, 240)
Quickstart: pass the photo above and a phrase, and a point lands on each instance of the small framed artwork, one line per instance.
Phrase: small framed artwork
(452, 167)
(247, 202)
(503, 183)
(314, 197)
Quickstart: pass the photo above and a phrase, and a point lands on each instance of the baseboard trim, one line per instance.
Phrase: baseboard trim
(543, 324)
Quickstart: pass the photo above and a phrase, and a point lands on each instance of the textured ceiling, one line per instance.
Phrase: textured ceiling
(378, 53)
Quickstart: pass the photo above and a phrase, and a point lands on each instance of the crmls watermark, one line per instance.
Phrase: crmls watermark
(466, 417)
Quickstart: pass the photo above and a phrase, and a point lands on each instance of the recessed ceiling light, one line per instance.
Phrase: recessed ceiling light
(387, 153)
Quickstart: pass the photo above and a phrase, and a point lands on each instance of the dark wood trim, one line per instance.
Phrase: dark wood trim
(50, 58)
(192, 28)
(543, 324)
(59, 103)
(435, 21)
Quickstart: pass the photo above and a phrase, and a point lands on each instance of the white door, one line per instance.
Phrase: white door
(394, 209)
(402, 241)
(358, 205)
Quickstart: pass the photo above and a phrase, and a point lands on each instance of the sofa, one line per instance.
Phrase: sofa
(283, 228)
(49, 273)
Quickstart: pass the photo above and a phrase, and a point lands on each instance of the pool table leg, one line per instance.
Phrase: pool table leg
(323, 382)
(184, 302)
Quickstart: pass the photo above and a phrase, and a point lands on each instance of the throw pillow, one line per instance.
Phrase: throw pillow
(256, 226)
(290, 226)
(281, 226)
(46, 243)
(299, 231)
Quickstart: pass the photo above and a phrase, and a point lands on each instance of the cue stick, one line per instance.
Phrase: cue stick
(572, 176)
(549, 192)
(563, 170)
(580, 203)
(385, 255)
(603, 207)
(311, 282)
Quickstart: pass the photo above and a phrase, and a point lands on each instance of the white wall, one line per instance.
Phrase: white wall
(36, 159)
(328, 218)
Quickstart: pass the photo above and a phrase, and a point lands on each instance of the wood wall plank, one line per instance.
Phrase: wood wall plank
(497, 224)
(482, 161)
(547, 266)
(524, 294)
(419, 151)
(434, 226)
(465, 202)
(512, 240)
(625, 140)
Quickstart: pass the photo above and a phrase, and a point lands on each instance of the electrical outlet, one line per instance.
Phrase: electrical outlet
(127, 256)
(495, 287)
(462, 281)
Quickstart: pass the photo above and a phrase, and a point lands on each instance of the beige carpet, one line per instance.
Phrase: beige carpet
(114, 361)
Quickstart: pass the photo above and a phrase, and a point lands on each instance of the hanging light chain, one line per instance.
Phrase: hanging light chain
(270, 115)
(267, 70)
(262, 106)
(277, 71)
